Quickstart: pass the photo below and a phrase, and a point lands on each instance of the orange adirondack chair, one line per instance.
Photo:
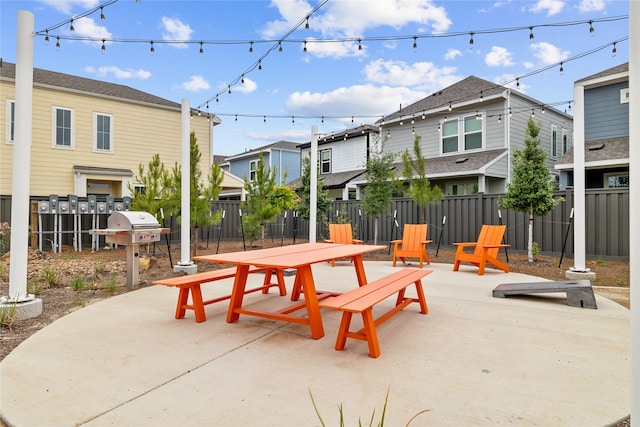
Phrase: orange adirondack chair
(343, 234)
(486, 249)
(412, 245)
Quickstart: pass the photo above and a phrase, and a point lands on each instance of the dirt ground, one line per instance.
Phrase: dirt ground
(71, 280)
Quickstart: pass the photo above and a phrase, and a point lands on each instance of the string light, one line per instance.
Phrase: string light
(531, 33)
(306, 25)
(304, 49)
(591, 29)
(71, 28)
(481, 97)
(533, 113)
(152, 50)
(518, 83)
(103, 48)
(561, 69)
(260, 65)
(46, 39)
(359, 44)
(201, 49)
(510, 114)
(415, 42)
(58, 43)
(251, 48)
(500, 118)
(242, 80)
(449, 105)
(614, 51)
(471, 40)
(279, 46)
(102, 13)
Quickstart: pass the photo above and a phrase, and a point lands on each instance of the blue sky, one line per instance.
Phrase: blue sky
(335, 79)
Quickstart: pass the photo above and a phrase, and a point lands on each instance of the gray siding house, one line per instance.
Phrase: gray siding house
(606, 131)
(468, 132)
(284, 156)
(342, 158)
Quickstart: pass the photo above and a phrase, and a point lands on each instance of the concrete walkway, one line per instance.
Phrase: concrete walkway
(473, 360)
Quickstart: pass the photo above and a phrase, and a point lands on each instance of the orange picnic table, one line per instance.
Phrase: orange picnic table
(299, 257)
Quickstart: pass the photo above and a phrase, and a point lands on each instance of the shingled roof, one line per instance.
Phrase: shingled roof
(465, 90)
(622, 68)
(67, 82)
(609, 149)
(461, 163)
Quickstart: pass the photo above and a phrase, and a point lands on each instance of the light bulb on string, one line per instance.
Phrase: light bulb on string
(102, 17)
(531, 33)
(260, 65)
(614, 51)
(264, 119)
(201, 49)
(449, 105)
(415, 42)
(500, 118)
(46, 38)
(103, 48)
(304, 49)
(359, 44)
(481, 97)
(471, 41)
(242, 79)
(152, 49)
(279, 46)
(518, 83)
(591, 29)
(533, 113)
(71, 27)
(561, 69)
(58, 43)
(251, 47)
(306, 25)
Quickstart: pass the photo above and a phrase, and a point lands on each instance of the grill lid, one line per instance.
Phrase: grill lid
(131, 220)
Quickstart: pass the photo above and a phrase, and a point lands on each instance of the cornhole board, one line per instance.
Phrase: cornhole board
(579, 292)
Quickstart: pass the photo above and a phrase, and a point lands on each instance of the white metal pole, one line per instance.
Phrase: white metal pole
(313, 199)
(579, 203)
(21, 157)
(634, 200)
(185, 201)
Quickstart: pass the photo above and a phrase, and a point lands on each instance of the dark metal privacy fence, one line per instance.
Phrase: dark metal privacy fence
(607, 223)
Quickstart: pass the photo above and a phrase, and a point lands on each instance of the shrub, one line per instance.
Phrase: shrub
(5, 237)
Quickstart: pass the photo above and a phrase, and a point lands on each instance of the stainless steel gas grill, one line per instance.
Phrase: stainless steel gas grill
(131, 229)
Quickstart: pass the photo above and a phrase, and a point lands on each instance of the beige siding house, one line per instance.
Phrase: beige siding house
(90, 136)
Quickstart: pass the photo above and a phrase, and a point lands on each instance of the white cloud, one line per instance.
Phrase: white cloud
(552, 7)
(247, 87)
(175, 29)
(591, 5)
(87, 27)
(366, 100)
(422, 75)
(335, 50)
(528, 65)
(118, 72)
(67, 6)
(294, 135)
(548, 54)
(349, 18)
(452, 54)
(499, 56)
(195, 84)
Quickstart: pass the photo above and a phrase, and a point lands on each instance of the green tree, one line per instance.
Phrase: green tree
(376, 197)
(323, 201)
(151, 197)
(531, 189)
(260, 196)
(201, 196)
(414, 171)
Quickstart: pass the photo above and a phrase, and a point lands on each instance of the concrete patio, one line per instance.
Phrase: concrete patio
(473, 360)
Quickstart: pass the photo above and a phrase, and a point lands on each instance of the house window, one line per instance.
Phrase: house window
(103, 125)
(624, 96)
(450, 136)
(63, 131)
(470, 129)
(554, 141)
(11, 120)
(565, 141)
(473, 132)
(325, 161)
(616, 180)
(253, 166)
(462, 188)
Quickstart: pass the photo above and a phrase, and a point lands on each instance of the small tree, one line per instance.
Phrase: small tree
(201, 196)
(152, 196)
(323, 201)
(414, 171)
(376, 198)
(532, 187)
(260, 192)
